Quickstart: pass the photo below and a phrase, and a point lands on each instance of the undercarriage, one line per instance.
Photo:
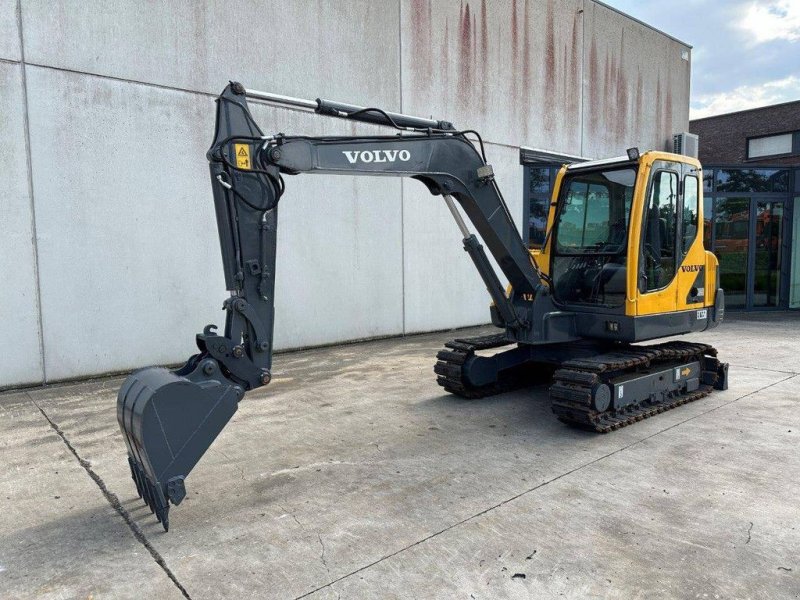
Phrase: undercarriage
(593, 386)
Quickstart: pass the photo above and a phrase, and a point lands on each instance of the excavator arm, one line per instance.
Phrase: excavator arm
(170, 418)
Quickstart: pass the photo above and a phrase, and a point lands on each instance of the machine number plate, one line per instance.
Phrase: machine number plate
(702, 314)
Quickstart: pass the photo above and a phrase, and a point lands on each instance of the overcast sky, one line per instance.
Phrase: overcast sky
(746, 53)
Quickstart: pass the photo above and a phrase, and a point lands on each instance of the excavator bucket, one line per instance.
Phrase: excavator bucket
(169, 419)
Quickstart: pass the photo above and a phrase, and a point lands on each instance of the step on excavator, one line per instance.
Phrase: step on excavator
(622, 262)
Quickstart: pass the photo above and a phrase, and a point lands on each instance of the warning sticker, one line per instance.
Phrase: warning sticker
(242, 156)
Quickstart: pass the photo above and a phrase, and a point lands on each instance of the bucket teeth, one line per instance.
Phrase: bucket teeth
(151, 493)
(136, 475)
(168, 421)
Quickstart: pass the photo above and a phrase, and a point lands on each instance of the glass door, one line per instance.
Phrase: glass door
(731, 245)
(768, 253)
(749, 240)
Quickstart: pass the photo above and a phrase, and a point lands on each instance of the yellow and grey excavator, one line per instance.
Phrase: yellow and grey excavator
(622, 262)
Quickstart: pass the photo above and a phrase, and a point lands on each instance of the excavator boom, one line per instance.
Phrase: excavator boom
(170, 418)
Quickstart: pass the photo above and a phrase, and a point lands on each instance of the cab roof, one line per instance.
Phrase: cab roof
(591, 164)
(624, 160)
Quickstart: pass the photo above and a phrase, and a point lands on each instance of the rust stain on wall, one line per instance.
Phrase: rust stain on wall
(484, 58)
(622, 125)
(564, 87)
(421, 41)
(659, 109)
(638, 122)
(465, 61)
(604, 98)
(574, 82)
(546, 75)
(592, 110)
(666, 131)
(446, 56)
(524, 102)
(550, 95)
(474, 35)
(514, 61)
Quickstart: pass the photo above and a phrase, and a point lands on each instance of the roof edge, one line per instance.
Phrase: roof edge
(632, 18)
(744, 110)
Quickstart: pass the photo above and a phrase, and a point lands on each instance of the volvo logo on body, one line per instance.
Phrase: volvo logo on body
(376, 156)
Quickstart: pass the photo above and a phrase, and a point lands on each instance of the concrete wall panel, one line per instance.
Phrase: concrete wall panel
(509, 68)
(442, 287)
(129, 253)
(9, 37)
(636, 88)
(22, 362)
(130, 267)
(345, 51)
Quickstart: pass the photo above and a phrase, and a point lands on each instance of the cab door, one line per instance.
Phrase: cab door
(691, 266)
(672, 256)
(659, 251)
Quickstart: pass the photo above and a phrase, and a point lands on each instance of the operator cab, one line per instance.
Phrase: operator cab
(634, 212)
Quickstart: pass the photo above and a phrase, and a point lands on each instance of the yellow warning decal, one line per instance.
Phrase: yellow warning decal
(686, 371)
(242, 155)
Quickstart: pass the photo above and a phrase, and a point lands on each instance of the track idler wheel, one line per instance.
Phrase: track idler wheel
(169, 419)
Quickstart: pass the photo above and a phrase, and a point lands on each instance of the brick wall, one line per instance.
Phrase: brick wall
(723, 139)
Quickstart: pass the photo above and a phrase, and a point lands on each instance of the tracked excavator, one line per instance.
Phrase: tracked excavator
(622, 262)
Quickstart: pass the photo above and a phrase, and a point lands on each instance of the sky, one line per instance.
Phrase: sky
(746, 53)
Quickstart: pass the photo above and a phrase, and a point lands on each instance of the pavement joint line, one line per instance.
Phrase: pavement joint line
(112, 499)
(536, 487)
(763, 369)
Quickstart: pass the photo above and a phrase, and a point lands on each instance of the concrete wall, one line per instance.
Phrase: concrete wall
(110, 259)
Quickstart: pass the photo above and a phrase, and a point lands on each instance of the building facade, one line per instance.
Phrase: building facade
(751, 166)
(110, 259)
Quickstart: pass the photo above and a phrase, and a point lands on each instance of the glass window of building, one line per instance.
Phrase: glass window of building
(732, 232)
(794, 281)
(768, 253)
(708, 180)
(708, 221)
(752, 180)
(772, 145)
(539, 180)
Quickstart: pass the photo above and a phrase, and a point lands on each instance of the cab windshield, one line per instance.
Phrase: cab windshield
(594, 216)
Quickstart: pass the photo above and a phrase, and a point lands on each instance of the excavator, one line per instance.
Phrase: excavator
(622, 262)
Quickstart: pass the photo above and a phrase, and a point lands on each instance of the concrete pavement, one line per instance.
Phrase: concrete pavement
(353, 476)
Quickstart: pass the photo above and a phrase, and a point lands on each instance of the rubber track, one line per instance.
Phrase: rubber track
(571, 391)
(573, 383)
(450, 360)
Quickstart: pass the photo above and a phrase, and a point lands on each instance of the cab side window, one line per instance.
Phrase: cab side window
(660, 231)
(690, 213)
